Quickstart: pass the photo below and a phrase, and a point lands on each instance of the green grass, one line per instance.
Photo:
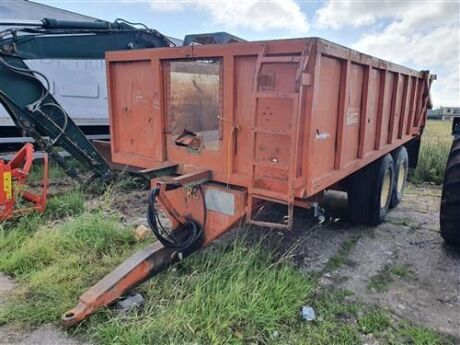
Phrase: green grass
(411, 334)
(65, 205)
(435, 147)
(374, 321)
(223, 295)
(234, 292)
(57, 208)
(342, 255)
(387, 275)
(54, 264)
(401, 272)
(55, 172)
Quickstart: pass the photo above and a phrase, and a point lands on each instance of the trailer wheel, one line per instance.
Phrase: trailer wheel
(450, 201)
(369, 192)
(401, 162)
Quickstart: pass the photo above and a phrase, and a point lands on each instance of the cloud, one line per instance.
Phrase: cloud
(168, 5)
(337, 14)
(424, 35)
(257, 15)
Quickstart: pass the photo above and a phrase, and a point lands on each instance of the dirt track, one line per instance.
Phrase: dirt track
(427, 287)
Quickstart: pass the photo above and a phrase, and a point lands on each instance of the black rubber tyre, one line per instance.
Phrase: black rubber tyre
(450, 201)
(365, 192)
(401, 162)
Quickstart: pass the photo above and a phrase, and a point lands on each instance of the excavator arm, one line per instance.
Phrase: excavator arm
(25, 93)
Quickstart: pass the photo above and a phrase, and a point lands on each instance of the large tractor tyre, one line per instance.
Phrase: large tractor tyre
(369, 192)
(401, 162)
(450, 201)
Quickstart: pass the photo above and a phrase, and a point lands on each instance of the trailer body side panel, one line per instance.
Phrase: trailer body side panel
(275, 116)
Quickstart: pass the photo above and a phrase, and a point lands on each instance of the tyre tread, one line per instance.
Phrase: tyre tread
(450, 201)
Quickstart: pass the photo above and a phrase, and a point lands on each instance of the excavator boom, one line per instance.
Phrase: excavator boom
(26, 95)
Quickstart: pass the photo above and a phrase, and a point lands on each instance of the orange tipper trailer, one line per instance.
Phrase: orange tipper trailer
(225, 129)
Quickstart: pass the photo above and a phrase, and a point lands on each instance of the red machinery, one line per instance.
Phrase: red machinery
(13, 187)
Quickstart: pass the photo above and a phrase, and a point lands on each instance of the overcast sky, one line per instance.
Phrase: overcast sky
(418, 34)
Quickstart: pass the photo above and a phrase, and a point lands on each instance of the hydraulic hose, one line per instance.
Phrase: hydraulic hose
(193, 230)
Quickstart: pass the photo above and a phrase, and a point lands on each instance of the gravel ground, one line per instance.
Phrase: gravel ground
(428, 290)
(45, 335)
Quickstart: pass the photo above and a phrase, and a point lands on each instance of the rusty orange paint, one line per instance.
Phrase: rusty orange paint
(191, 206)
(284, 120)
(250, 122)
(139, 267)
(155, 257)
(299, 130)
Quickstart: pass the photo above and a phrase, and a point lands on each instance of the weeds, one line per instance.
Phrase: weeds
(383, 279)
(127, 183)
(65, 205)
(401, 272)
(53, 265)
(378, 322)
(342, 255)
(55, 172)
(374, 321)
(231, 293)
(411, 334)
(224, 294)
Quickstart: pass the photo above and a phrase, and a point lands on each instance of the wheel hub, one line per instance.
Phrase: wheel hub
(401, 178)
(386, 189)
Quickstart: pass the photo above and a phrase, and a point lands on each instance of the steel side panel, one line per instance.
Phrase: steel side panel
(244, 74)
(324, 121)
(373, 101)
(136, 127)
(388, 94)
(394, 114)
(353, 114)
(404, 107)
(364, 132)
(398, 109)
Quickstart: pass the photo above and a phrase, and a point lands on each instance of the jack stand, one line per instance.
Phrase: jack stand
(318, 213)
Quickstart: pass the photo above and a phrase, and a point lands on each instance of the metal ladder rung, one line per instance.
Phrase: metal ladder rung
(255, 193)
(290, 213)
(268, 195)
